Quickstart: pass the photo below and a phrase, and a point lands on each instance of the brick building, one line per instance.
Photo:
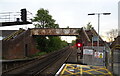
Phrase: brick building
(19, 44)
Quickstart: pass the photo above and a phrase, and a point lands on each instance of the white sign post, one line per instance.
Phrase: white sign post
(87, 51)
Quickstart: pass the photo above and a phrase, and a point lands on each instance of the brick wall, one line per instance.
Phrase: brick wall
(19, 47)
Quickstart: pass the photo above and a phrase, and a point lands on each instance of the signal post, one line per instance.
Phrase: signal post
(79, 46)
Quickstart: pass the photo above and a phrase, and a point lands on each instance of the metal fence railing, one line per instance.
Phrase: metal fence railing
(14, 16)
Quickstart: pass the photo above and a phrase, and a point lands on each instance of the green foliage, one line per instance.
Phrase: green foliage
(73, 42)
(50, 44)
(44, 20)
(54, 43)
(64, 44)
(88, 27)
(44, 43)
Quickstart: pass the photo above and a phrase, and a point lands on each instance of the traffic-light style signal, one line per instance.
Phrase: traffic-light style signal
(23, 15)
(79, 45)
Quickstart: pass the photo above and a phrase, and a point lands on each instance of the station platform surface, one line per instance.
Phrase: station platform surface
(82, 70)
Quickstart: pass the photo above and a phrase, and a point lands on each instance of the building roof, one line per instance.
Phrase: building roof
(116, 43)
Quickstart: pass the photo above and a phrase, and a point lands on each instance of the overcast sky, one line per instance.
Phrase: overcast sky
(72, 13)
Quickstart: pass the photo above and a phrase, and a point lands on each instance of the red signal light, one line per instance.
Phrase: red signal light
(79, 45)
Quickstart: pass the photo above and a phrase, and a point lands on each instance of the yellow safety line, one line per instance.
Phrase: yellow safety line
(117, 47)
(85, 66)
(63, 70)
(69, 71)
(86, 71)
(101, 72)
(78, 68)
(90, 73)
(95, 69)
(70, 66)
(81, 70)
(98, 71)
(109, 72)
(77, 73)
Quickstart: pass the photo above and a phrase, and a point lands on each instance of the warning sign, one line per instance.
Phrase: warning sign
(98, 54)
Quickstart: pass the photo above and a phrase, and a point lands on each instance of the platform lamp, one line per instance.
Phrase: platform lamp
(99, 23)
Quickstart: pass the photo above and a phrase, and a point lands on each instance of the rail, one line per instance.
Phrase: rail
(38, 65)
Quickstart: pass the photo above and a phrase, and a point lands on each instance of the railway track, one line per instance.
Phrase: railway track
(42, 65)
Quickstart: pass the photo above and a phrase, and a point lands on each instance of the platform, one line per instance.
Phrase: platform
(82, 70)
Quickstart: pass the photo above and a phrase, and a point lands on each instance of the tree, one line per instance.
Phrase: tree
(44, 43)
(73, 42)
(112, 34)
(44, 19)
(68, 27)
(64, 43)
(89, 26)
(41, 43)
(55, 43)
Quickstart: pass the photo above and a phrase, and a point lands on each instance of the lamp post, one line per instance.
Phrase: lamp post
(99, 23)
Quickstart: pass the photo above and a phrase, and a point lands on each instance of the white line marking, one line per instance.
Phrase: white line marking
(60, 70)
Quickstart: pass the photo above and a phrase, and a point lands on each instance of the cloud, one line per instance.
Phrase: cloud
(71, 13)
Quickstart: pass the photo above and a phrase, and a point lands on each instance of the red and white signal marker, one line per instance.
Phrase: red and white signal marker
(79, 45)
